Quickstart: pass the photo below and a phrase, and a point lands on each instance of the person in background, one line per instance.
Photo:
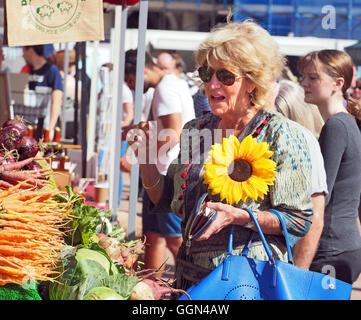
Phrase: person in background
(47, 75)
(180, 71)
(290, 102)
(237, 62)
(356, 92)
(58, 59)
(326, 76)
(2, 58)
(166, 62)
(172, 107)
(105, 102)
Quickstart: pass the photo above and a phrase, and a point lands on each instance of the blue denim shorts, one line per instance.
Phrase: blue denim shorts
(167, 225)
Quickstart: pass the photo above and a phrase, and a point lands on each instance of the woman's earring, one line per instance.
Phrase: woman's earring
(250, 98)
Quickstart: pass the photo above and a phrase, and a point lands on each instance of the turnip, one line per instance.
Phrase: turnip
(149, 289)
(142, 291)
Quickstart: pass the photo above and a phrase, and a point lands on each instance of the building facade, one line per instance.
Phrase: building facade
(339, 19)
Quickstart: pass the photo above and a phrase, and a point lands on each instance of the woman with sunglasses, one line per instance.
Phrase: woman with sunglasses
(238, 62)
(327, 74)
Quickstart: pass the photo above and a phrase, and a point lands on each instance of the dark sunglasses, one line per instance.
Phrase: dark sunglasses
(223, 75)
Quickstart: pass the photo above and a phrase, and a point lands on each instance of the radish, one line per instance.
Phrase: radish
(149, 289)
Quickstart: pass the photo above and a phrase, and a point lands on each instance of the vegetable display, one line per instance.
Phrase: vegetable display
(30, 236)
(54, 246)
(18, 161)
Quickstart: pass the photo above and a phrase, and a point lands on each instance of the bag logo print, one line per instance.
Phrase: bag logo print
(53, 16)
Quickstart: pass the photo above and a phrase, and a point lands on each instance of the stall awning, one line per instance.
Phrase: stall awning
(119, 2)
(355, 52)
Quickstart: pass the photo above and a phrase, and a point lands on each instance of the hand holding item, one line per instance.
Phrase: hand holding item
(139, 136)
(226, 215)
(236, 171)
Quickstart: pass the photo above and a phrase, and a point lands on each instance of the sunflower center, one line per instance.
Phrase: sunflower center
(242, 170)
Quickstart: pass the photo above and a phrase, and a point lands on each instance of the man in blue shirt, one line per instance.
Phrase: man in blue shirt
(45, 78)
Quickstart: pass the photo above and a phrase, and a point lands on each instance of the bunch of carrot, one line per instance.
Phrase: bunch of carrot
(13, 173)
(30, 235)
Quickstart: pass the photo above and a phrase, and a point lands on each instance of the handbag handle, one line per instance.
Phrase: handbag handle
(283, 226)
(265, 244)
(263, 239)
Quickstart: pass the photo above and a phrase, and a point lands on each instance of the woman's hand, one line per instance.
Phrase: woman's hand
(138, 137)
(226, 215)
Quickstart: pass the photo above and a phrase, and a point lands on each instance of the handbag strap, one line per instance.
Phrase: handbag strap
(265, 244)
(263, 239)
(285, 232)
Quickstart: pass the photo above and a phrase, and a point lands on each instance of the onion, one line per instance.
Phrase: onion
(28, 148)
(23, 129)
(10, 138)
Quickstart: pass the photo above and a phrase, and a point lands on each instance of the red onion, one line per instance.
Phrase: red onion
(23, 129)
(28, 148)
(10, 138)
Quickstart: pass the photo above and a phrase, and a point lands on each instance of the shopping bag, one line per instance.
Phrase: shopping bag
(36, 22)
(242, 278)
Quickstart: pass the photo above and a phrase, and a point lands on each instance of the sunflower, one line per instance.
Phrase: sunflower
(238, 170)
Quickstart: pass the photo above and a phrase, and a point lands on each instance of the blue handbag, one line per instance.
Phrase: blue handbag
(242, 278)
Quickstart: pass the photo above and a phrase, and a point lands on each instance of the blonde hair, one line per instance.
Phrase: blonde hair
(290, 102)
(245, 48)
(337, 64)
(58, 58)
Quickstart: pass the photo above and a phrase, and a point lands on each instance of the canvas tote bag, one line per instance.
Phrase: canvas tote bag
(36, 22)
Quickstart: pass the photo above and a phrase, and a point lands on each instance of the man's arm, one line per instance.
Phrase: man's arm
(173, 125)
(305, 249)
(128, 109)
(56, 102)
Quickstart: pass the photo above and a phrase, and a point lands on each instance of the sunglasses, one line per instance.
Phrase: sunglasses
(223, 75)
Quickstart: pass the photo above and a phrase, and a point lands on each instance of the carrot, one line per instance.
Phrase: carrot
(5, 261)
(15, 237)
(31, 273)
(15, 207)
(16, 176)
(42, 196)
(5, 184)
(23, 226)
(28, 194)
(12, 189)
(16, 165)
(19, 252)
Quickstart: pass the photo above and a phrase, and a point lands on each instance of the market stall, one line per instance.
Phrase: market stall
(52, 244)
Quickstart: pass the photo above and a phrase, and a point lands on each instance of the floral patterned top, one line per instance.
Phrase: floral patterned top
(290, 194)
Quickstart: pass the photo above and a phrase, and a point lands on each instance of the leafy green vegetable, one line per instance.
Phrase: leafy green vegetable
(85, 221)
(118, 232)
(86, 268)
(102, 293)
